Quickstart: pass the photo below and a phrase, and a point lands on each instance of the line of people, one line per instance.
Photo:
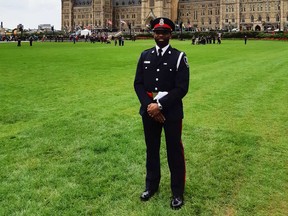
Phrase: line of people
(206, 40)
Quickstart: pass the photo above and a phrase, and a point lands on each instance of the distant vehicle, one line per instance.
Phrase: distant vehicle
(235, 30)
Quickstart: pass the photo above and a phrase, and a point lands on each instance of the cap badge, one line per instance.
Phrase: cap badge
(161, 22)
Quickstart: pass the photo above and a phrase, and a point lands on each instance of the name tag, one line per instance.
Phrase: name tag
(146, 62)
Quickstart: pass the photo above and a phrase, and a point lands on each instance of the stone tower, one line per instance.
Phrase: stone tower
(151, 9)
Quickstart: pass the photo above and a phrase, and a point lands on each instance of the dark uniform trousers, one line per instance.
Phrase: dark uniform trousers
(175, 153)
(154, 75)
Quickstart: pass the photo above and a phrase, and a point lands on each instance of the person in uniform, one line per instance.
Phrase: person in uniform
(31, 40)
(19, 41)
(161, 81)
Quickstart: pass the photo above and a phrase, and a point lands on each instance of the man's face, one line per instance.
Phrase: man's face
(162, 37)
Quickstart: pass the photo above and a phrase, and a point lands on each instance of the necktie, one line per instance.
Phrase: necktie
(160, 52)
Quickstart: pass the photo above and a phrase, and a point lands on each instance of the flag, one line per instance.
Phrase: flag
(123, 22)
(109, 22)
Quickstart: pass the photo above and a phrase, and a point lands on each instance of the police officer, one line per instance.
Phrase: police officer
(161, 81)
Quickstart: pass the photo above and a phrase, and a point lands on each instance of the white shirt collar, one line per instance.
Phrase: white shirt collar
(163, 49)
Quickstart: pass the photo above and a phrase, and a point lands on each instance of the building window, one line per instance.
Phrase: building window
(277, 18)
(267, 19)
(195, 15)
(252, 18)
(259, 18)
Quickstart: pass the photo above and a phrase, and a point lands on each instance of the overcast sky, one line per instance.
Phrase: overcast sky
(30, 13)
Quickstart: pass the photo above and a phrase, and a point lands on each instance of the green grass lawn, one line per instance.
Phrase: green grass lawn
(72, 141)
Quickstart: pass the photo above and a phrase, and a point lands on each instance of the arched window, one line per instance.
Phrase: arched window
(277, 18)
(151, 4)
(267, 18)
(259, 18)
(252, 18)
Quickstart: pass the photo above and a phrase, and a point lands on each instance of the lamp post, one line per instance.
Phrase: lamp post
(129, 26)
(181, 26)
(52, 29)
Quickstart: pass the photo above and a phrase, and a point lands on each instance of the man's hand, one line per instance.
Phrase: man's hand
(155, 113)
(159, 118)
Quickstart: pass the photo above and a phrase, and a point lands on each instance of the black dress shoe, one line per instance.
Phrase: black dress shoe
(146, 195)
(177, 202)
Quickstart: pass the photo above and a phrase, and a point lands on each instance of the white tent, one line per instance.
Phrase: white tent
(85, 32)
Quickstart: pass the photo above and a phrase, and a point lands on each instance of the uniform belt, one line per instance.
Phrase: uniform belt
(152, 95)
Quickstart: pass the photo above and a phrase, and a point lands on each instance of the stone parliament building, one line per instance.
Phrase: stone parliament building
(201, 15)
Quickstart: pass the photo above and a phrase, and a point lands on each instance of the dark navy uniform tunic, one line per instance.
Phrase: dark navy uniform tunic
(156, 74)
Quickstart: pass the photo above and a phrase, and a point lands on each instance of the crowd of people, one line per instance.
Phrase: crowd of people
(93, 38)
(103, 37)
(209, 39)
